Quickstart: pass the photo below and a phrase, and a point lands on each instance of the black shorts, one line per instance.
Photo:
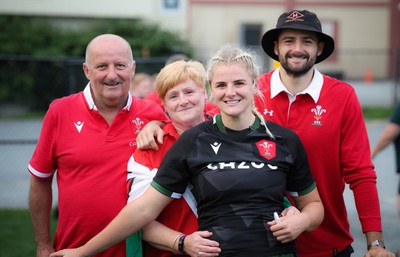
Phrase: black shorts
(345, 253)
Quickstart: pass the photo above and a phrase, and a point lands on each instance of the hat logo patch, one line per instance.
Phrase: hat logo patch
(295, 16)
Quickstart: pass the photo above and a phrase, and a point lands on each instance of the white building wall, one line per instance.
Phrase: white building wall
(150, 10)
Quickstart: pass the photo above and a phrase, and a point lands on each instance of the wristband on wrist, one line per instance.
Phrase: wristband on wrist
(180, 244)
(173, 244)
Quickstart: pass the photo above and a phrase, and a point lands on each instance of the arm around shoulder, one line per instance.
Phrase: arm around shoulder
(151, 134)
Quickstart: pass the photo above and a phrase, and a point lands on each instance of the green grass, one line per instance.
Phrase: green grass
(16, 233)
(23, 116)
(372, 113)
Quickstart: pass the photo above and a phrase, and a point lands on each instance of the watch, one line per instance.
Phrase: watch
(376, 243)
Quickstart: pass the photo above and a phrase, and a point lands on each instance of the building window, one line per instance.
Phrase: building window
(171, 4)
(171, 7)
(251, 34)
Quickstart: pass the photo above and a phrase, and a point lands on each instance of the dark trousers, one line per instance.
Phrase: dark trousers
(345, 253)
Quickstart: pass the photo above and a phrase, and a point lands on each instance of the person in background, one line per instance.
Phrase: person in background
(327, 116)
(239, 167)
(86, 140)
(177, 57)
(391, 134)
(142, 85)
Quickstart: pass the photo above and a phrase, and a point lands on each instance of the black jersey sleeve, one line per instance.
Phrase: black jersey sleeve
(300, 180)
(173, 174)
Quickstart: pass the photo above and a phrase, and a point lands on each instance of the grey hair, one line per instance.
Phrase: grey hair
(230, 54)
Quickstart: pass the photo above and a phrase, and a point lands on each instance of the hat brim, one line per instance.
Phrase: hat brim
(268, 39)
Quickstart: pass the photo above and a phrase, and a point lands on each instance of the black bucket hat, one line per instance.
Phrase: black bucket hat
(301, 20)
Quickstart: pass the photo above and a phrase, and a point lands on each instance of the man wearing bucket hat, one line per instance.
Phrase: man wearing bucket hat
(327, 116)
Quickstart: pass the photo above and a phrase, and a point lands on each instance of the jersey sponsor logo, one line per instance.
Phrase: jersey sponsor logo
(235, 165)
(215, 146)
(318, 111)
(272, 167)
(267, 149)
(138, 124)
(79, 125)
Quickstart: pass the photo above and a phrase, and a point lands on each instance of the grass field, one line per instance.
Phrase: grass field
(16, 233)
(371, 113)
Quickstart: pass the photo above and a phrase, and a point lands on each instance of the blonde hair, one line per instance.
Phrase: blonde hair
(179, 72)
(231, 54)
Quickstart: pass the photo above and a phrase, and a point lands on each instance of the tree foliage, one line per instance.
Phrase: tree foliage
(39, 37)
(36, 54)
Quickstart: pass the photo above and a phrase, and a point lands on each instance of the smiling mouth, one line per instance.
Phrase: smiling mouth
(185, 109)
(111, 84)
(232, 101)
(298, 57)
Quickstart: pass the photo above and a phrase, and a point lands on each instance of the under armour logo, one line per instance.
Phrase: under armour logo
(215, 146)
(270, 113)
(79, 125)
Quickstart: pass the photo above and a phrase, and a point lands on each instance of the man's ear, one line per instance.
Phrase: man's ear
(276, 48)
(86, 71)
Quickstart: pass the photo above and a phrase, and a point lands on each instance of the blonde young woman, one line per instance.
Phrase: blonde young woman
(240, 168)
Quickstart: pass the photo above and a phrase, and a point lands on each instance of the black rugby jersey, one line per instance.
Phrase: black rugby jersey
(239, 179)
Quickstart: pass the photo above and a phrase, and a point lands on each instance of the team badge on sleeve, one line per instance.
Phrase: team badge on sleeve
(267, 149)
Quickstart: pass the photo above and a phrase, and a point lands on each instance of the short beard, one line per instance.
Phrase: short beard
(297, 73)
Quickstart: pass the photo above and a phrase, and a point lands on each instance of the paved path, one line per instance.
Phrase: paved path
(387, 187)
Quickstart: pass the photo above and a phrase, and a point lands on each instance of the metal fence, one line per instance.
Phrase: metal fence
(33, 82)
